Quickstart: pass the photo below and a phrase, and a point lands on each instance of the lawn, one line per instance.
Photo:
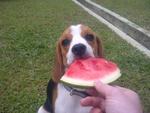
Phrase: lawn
(137, 11)
(28, 32)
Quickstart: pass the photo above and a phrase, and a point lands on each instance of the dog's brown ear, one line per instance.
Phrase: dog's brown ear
(58, 64)
(99, 48)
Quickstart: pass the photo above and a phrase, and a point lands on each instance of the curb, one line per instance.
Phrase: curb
(120, 33)
(136, 32)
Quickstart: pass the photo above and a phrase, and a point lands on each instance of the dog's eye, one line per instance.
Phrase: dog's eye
(66, 42)
(89, 37)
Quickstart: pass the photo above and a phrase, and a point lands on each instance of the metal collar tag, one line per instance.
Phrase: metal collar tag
(73, 91)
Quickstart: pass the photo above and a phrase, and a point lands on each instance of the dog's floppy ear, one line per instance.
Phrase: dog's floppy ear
(99, 48)
(58, 65)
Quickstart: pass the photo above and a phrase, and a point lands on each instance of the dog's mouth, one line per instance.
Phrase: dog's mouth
(78, 58)
(82, 57)
(79, 51)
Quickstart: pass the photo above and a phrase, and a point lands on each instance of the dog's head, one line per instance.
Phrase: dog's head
(77, 41)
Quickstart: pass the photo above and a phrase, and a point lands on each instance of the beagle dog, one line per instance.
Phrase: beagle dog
(76, 42)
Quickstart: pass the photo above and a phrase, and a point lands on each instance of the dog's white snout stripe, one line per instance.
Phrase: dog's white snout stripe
(78, 39)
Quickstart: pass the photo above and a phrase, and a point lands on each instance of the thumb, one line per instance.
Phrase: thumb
(104, 89)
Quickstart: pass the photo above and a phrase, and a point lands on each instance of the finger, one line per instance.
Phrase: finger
(103, 89)
(92, 101)
(92, 92)
(95, 110)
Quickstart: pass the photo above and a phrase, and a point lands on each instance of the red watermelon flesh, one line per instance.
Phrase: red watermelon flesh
(83, 72)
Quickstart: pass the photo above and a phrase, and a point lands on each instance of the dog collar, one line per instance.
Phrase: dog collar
(74, 91)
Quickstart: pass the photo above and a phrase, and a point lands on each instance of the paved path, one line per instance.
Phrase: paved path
(127, 30)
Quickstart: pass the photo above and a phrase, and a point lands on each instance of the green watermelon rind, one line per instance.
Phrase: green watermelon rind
(87, 84)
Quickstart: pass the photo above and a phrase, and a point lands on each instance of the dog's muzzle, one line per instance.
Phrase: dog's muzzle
(79, 50)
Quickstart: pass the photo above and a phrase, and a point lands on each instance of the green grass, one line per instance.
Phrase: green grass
(28, 32)
(137, 11)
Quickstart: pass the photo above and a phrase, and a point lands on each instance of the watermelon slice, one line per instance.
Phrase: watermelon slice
(83, 72)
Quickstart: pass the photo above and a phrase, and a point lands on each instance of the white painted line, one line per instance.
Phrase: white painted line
(120, 18)
(116, 30)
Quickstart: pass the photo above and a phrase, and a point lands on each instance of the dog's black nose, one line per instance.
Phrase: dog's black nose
(79, 49)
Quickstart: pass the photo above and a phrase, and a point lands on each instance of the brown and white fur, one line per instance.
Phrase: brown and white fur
(77, 41)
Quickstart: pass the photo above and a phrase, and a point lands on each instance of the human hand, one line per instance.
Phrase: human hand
(112, 99)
